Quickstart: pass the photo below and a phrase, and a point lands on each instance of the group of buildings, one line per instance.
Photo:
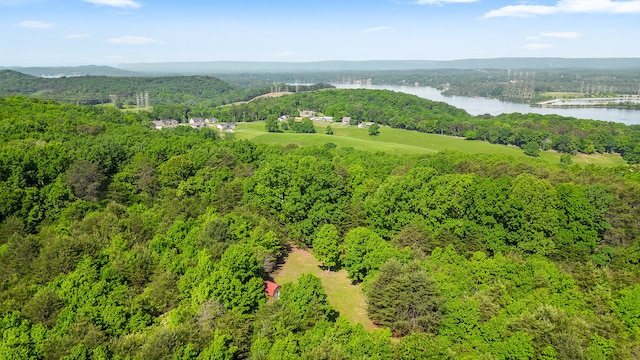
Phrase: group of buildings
(199, 122)
(312, 115)
(195, 123)
(307, 114)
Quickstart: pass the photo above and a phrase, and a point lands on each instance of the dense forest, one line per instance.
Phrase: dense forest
(121, 242)
(403, 111)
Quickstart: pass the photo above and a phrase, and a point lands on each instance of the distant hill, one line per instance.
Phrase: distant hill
(69, 71)
(214, 67)
(122, 90)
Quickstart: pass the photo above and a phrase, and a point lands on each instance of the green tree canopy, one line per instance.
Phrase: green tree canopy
(326, 247)
(404, 298)
(374, 129)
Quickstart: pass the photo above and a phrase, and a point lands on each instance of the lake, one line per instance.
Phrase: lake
(479, 106)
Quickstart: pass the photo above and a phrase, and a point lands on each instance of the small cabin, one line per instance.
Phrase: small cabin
(272, 289)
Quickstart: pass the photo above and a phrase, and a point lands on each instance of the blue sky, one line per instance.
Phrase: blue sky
(78, 32)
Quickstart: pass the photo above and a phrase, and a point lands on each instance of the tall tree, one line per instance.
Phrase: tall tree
(86, 180)
(271, 124)
(404, 298)
(365, 251)
(326, 247)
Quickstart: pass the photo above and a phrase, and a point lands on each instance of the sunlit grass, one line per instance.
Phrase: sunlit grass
(562, 94)
(398, 141)
(347, 299)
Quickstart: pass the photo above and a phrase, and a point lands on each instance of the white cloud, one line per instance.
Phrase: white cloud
(374, 29)
(561, 35)
(19, 2)
(567, 6)
(116, 3)
(537, 46)
(533, 38)
(283, 54)
(14, 2)
(439, 2)
(32, 24)
(133, 40)
(76, 36)
(520, 11)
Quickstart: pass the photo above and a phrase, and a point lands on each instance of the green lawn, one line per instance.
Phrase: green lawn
(562, 94)
(347, 299)
(399, 141)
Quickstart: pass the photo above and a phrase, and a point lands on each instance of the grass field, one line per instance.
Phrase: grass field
(562, 94)
(398, 141)
(345, 298)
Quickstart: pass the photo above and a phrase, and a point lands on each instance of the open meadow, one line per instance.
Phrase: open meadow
(398, 141)
(344, 297)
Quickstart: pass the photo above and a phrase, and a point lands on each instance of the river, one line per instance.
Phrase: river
(479, 106)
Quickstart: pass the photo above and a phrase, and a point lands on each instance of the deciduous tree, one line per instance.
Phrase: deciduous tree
(374, 129)
(326, 247)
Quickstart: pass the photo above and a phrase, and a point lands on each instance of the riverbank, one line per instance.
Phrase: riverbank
(482, 106)
(620, 102)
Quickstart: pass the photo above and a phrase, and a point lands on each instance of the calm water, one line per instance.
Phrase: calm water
(479, 106)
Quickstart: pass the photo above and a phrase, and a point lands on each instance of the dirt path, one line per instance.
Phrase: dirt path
(268, 95)
(347, 299)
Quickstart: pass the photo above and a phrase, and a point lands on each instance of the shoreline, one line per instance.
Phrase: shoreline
(631, 102)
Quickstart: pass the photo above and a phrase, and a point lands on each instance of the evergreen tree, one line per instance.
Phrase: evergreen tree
(404, 298)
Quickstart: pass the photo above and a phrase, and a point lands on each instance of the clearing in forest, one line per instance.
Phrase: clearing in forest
(347, 299)
(399, 141)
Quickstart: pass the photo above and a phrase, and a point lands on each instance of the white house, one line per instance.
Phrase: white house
(226, 127)
(161, 124)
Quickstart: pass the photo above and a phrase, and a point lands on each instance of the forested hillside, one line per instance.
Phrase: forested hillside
(118, 241)
(128, 91)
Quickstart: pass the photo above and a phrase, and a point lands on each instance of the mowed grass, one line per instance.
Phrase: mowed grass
(398, 141)
(347, 299)
(563, 94)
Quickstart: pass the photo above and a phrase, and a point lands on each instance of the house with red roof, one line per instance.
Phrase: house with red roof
(272, 289)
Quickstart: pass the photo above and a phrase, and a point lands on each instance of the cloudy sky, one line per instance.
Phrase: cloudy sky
(76, 32)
